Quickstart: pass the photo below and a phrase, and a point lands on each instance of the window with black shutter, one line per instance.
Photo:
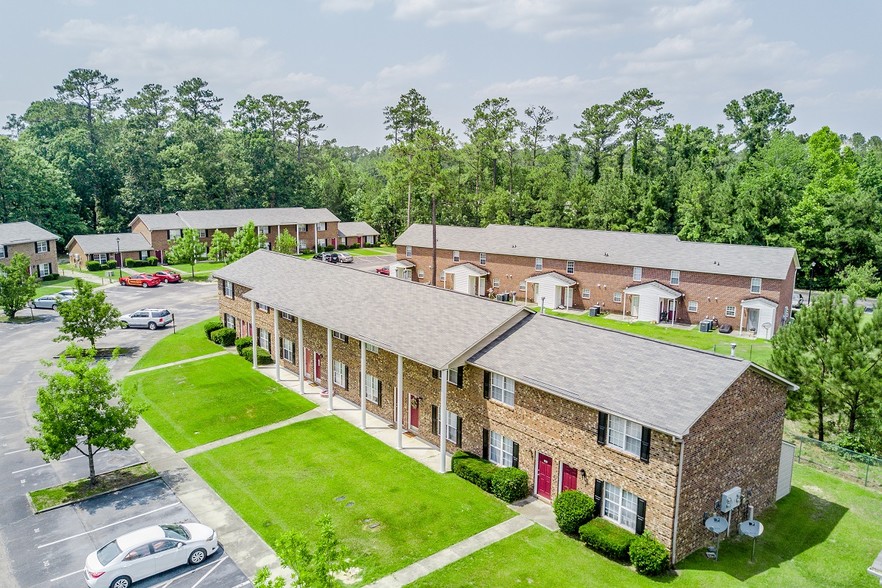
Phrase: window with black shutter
(598, 497)
(641, 516)
(346, 377)
(644, 445)
(379, 393)
(459, 372)
(485, 443)
(436, 374)
(434, 420)
(486, 384)
(459, 431)
(601, 427)
(515, 454)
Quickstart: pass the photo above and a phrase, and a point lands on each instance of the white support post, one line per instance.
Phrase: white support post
(741, 322)
(276, 344)
(255, 338)
(297, 235)
(624, 303)
(301, 355)
(330, 370)
(363, 389)
(442, 433)
(399, 395)
(315, 236)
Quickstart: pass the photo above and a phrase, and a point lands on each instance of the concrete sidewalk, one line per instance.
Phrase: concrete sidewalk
(174, 363)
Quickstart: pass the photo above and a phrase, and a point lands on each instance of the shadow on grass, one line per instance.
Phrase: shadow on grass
(797, 523)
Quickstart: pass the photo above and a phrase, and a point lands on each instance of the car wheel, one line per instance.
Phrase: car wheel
(124, 325)
(143, 284)
(197, 557)
(151, 326)
(121, 582)
(54, 307)
(165, 281)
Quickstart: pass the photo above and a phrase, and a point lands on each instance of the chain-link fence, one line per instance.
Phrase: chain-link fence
(860, 467)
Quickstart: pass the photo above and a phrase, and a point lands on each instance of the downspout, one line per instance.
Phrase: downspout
(677, 501)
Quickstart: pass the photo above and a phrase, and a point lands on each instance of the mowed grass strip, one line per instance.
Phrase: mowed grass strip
(825, 533)
(179, 344)
(194, 403)
(387, 508)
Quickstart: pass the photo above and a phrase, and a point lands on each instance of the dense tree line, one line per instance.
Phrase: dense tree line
(89, 159)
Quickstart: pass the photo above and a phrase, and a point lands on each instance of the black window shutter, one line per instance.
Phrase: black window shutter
(379, 393)
(345, 377)
(436, 374)
(434, 420)
(598, 497)
(515, 454)
(36, 246)
(50, 267)
(485, 444)
(346, 338)
(459, 371)
(601, 427)
(644, 445)
(641, 516)
(459, 430)
(486, 384)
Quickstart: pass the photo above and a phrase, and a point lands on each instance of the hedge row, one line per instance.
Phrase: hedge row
(263, 356)
(645, 552)
(224, 336)
(241, 343)
(50, 278)
(94, 266)
(508, 484)
(150, 261)
(211, 327)
(572, 509)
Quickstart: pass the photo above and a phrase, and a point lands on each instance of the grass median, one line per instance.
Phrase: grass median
(388, 509)
(179, 344)
(202, 401)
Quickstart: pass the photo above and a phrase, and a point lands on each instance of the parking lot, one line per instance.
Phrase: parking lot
(49, 549)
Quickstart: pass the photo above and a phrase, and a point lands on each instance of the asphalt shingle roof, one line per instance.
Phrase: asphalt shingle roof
(23, 232)
(429, 325)
(660, 385)
(233, 218)
(160, 222)
(106, 243)
(613, 247)
(356, 229)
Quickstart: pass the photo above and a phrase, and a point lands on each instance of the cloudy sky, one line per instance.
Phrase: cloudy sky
(351, 58)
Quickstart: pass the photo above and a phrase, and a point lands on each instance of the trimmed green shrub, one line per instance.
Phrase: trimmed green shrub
(510, 484)
(607, 538)
(93, 266)
(263, 356)
(136, 262)
(244, 352)
(458, 456)
(477, 471)
(225, 336)
(572, 509)
(50, 278)
(111, 264)
(242, 342)
(152, 260)
(648, 555)
(211, 327)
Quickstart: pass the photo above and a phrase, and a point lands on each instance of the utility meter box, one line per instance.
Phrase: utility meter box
(730, 499)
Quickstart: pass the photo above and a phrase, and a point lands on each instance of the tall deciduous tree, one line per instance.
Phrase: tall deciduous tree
(87, 316)
(286, 243)
(246, 240)
(221, 246)
(312, 561)
(17, 285)
(489, 129)
(758, 116)
(187, 249)
(80, 408)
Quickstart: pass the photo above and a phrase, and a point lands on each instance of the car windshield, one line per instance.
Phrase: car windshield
(175, 531)
(108, 552)
(161, 313)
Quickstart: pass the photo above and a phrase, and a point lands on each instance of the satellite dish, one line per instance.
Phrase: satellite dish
(716, 524)
(752, 529)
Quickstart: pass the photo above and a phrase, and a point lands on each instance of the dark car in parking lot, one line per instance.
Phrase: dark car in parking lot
(330, 257)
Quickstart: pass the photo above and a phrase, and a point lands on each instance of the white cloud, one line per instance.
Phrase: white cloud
(404, 72)
(341, 6)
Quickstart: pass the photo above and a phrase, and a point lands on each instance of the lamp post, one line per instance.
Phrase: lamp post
(811, 282)
(119, 259)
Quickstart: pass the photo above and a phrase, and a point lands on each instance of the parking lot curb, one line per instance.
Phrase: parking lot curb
(105, 493)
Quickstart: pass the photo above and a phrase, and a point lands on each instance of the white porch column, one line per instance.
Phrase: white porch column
(442, 433)
(297, 236)
(741, 322)
(254, 334)
(624, 303)
(330, 371)
(363, 390)
(399, 395)
(301, 355)
(276, 345)
(315, 236)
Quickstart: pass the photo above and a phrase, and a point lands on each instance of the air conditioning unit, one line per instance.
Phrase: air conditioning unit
(730, 499)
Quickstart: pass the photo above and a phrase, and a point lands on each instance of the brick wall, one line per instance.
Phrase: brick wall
(29, 250)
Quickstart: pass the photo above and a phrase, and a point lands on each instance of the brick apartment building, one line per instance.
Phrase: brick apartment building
(655, 432)
(649, 277)
(358, 233)
(308, 225)
(108, 246)
(38, 244)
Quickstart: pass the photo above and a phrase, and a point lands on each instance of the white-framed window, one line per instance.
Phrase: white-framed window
(263, 229)
(756, 285)
(262, 307)
(371, 348)
(287, 316)
(617, 297)
(301, 228)
(3, 253)
(228, 288)
(482, 258)
(321, 226)
(421, 274)
(145, 255)
(100, 257)
(372, 388)
(730, 311)
(456, 256)
(408, 251)
(495, 282)
(323, 243)
(452, 427)
(675, 277)
(620, 506)
(42, 246)
(340, 374)
(522, 286)
(502, 389)
(288, 350)
(443, 276)
(538, 264)
(174, 233)
(44, 269)
(501, 450)
(624, 434)
(203, 233)
(586, 293)
(339, 335)
(637, 273)
(229, 321)
(263, 339)
(693, 306)
(571, 266)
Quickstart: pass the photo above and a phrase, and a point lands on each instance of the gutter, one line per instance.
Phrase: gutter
(677, 500)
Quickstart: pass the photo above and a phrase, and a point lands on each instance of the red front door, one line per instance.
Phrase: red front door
(568, 478)
(543, 477)
(414, 412)
(318, 368)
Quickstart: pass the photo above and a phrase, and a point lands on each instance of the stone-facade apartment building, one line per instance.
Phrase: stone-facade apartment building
(38, 244)
(649, 277)
(308, 225)
(655, 432)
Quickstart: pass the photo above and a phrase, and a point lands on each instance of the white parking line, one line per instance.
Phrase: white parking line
(17, 451)
(185, 574)
(43, 465)
(220, 561)
(143, 514)
(80, 571)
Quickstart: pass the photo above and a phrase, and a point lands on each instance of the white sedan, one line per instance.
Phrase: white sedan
(147, 552)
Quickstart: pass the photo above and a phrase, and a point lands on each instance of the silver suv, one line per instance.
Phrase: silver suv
(152, 318)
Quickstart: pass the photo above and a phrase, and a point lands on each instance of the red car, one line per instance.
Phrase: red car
(143, 280)
(383, 270)
(167, 277)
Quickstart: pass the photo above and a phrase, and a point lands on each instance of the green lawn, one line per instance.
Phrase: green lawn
(287, 478)
(825, 533)
(757, 350)
(203, 267)
(202, 401)
(97, 273)
(182, 344)
(372, 251)
(53, 286)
